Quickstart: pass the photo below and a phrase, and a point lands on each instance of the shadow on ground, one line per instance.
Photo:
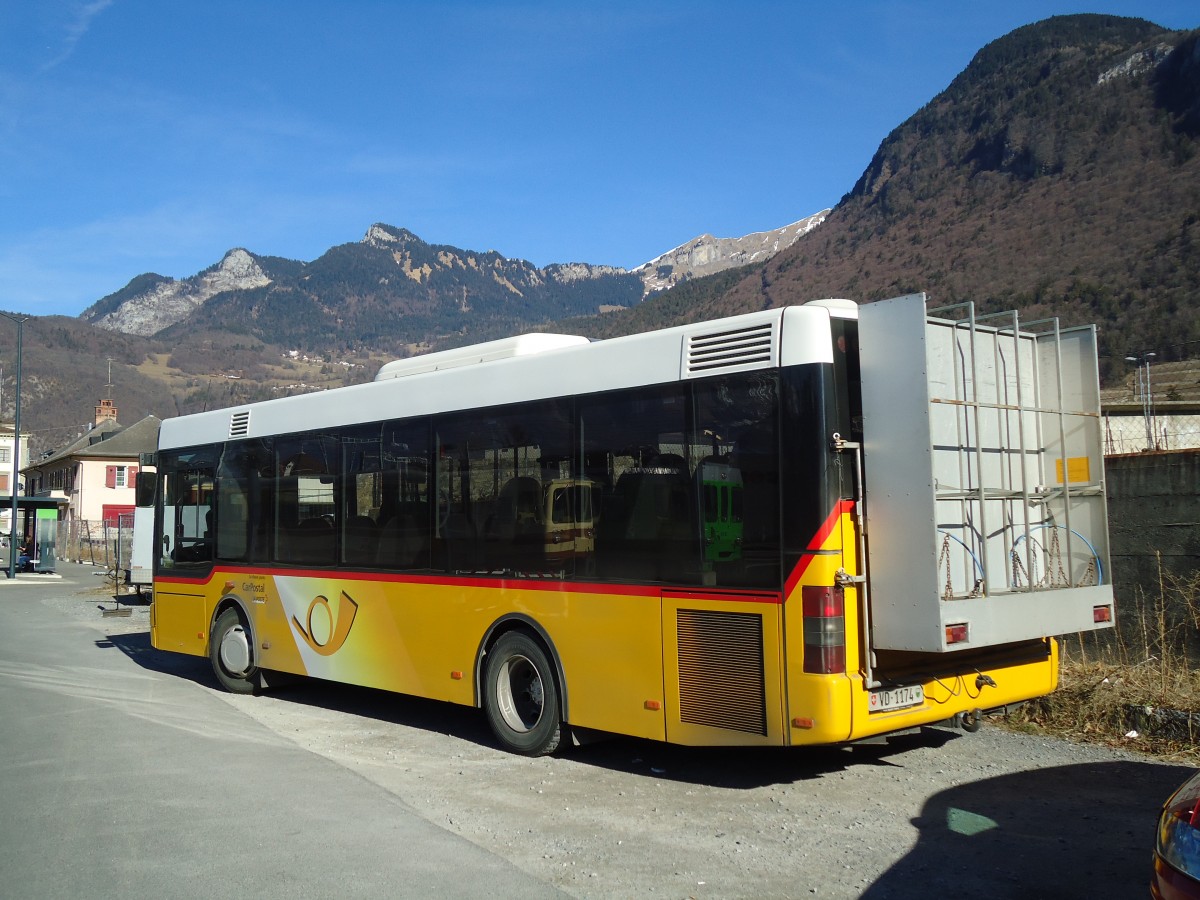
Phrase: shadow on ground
(737, 768)
(136, 645)
(1068, 831)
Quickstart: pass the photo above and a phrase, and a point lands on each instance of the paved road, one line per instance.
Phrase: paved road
(122, 781)
(123, 771)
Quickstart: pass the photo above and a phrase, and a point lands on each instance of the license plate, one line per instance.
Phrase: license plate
(896, 698)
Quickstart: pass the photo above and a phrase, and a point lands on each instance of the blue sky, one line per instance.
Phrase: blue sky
(143, 136)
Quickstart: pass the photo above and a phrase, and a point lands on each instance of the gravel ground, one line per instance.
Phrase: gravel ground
(940, 813)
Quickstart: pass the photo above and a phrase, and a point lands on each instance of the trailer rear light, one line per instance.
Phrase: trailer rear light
(1102, 614)
(956, 634)
(824, 610)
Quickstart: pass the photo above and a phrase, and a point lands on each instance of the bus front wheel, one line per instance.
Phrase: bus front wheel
(230, 653)
(520, 696)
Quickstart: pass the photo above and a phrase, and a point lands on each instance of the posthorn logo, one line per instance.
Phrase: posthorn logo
(325, 629)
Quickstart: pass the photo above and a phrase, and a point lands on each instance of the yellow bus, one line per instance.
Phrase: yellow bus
(520, 526)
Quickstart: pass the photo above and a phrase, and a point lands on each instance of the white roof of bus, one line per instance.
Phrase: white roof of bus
(506, 348)
(788, 336)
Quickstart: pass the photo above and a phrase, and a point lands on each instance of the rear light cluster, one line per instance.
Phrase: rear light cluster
(824, 629)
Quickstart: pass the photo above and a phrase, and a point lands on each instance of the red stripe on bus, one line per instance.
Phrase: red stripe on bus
(844, 507)
(718, 595)
(575, 587)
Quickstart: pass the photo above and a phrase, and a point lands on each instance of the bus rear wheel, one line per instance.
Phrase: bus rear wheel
(520, 696)
(230, 653)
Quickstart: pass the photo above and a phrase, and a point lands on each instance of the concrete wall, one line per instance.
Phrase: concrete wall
(1153, 505)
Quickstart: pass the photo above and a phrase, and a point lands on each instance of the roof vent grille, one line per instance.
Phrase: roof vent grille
(239, 424)
(754, 346)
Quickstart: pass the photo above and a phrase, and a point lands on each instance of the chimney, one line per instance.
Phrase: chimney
(105, 411)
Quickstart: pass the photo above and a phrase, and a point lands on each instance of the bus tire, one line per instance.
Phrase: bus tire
(520, 696)
(229, 651)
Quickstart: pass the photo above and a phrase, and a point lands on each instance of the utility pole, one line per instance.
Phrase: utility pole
(16, 455)
(1145, 394)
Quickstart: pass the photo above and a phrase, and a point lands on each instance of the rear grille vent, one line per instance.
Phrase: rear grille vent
(741, 348)
(721, 681)
(239, 424)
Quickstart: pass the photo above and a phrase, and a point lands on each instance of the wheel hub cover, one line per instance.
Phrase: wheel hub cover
(235, 651)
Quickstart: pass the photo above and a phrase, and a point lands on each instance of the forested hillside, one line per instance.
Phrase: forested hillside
(1058, 174)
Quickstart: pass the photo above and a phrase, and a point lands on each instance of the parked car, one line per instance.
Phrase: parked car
(1177, 848)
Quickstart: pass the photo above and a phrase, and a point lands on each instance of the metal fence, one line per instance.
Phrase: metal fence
(1137, 434)
(100, 543)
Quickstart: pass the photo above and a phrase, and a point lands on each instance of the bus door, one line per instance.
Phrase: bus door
(187, 537)
(183, 551)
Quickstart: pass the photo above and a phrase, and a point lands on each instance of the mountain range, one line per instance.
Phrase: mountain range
(707, 255)
(393, 292)
(1058, 174)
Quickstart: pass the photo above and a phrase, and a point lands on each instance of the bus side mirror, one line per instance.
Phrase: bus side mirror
(144, 488)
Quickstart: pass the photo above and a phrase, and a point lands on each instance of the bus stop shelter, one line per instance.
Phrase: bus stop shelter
(37, 529)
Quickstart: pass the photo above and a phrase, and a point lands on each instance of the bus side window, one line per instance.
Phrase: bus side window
(243, 500)
(634, 441)
(402, 520)
(493, 475)
(735, 437)
(305, 510)
(361, 496)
